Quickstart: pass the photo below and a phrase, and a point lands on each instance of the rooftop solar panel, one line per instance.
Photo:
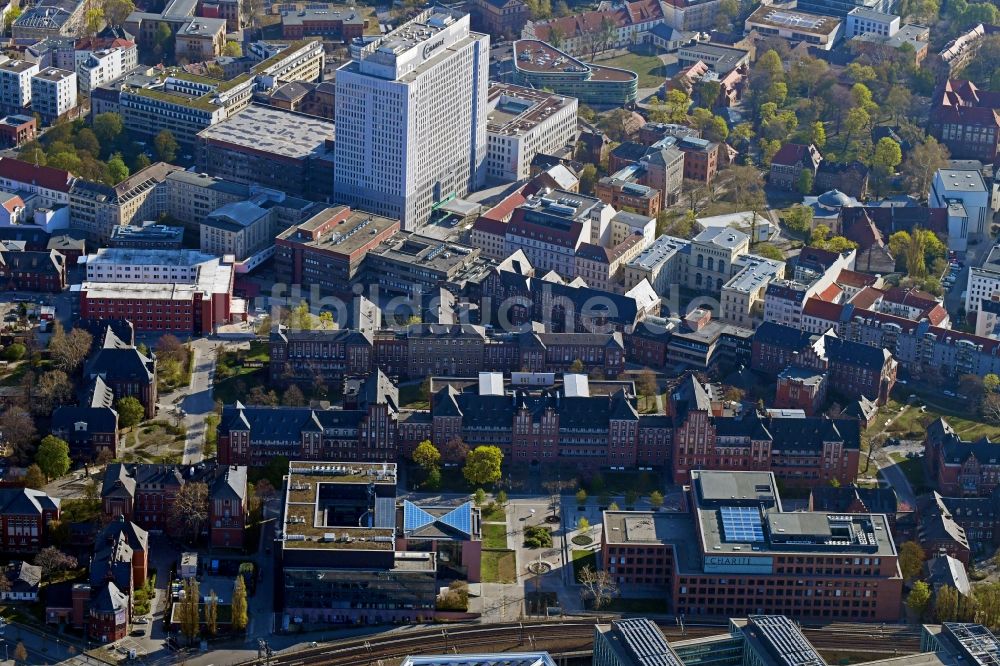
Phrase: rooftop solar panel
(460, 518)
(414, 517)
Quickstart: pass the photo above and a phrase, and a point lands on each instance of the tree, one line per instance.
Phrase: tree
(166, 145)
(454, 450)
(805, 182)
(34, 477)
(52, 457)
(583, 524)
(190, 510)
(12, 15)
(53, 561)
(479, 497)
(919, 597)
(911, 559)
(190, 611)
(588, 178)
(597, 585)
(746, 187)
(117, 169)
(212, 613)
(676, 106)
(616, 124)
(19, 432)
(647, 384)
(482, 465)
(53, 389)
(799, 218)
(68, 351)
(116, 11)
(93, 21)
(875, 446)
(818, 134)
(21, 653)
(108, 126)
(232, 49)
(326, 320)
(502, 498)
(14, 352)
(946, 604)
(426, 455)
(769, 251)
(299, 317)
(261, 396)
(581, 498)
(656, 499)
(130, 411)
(239, 608)
(886, 158)
(991, 382)
(293, 397)
(921, 163)
(86, 140)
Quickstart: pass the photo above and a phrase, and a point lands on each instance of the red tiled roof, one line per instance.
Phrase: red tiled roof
(503, 209)
(489, 226)
(791, 154)
(856, 279)
(825, 310)
(25, 172)
(936, 315)
(911, 297)
(867, 297)
(830, 294)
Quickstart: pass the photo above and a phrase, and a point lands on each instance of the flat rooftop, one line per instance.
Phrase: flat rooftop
(962, 180)
(340, 506)
(784, 18)
(346, 15)
(268, 129)
(117, 256)
(724, 237)
(17, 66)
(756, 272)
(345, 238)
(410, 248)
(531, 55)
(720, 58)
(53, 74)
(659, 251)
(150, 232)
(515, 110)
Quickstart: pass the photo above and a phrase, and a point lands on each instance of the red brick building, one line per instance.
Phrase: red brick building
(16, 130)
(333, 24)
(959, 467)
(117, 369)
(800, 388)
(25, 515)
(964, 118)
(790, 161)
(33, 271)
(701, 158)
(736, 552)
(145, 493)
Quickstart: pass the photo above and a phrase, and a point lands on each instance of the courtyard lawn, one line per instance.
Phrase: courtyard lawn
(495, 536)
(499, 566)
(582, 558)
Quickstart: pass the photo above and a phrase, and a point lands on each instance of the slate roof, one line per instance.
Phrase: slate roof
(497, 411)
(112, 561)
(855, 354)
(117, 360)
(689, 395)
(285, 424)
(946, 570)
(937, 523)
(48, 262)
(26, 502)
(24, 577)
(779, 335)
(136, 537)
(98, 419)
(839, 500)
(341, 335)
(109, 599)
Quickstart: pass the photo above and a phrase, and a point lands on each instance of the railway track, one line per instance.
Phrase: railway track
(573, 638)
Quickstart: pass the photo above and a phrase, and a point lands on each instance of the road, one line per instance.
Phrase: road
(196, 400)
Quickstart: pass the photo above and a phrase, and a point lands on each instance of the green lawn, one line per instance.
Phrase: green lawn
(582, 558)
(499, 566)
(649, 68)
(497, 515)
(495, 535)
(912, 423)
(410, 398)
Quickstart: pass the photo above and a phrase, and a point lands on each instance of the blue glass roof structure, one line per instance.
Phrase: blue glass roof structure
(742, 524)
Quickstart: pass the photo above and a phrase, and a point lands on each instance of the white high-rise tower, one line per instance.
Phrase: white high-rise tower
(411, 118)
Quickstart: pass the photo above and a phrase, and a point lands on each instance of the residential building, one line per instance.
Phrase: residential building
(53, 93)
(327, 250)
(15, 85)
(430, 73)
(16, 130)
(964, 118)
(51, 186)
(254, 435)
(25, 516)
(98, 209)
(736, 530)
(145, 494)
(865, 21)
(965, 195)
(332, 23)
(790, 161)
(269, 147)
(616, 26)
(158, 290)
(149, 235)
(98, 67)
(819, 30)
(593, 85)
(33, 271)
(523, 122)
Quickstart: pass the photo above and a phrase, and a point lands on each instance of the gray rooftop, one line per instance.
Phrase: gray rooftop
(659, 251)
(724, 237)
(756, 272)
(962, 180)
(639, 642)
(272, 130)
(871, 14)
(53, 74)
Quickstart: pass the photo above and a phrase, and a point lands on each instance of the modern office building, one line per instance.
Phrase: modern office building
(865, 21)
(737, 552)
(411, 118)
(817, 30)
(538, 64)
(967, 198)
(523, 122)
(843, 7)
(270, 147)
(634, 641)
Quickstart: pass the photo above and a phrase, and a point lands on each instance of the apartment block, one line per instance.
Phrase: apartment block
(15, 85)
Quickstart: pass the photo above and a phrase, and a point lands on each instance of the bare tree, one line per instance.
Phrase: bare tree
(991, 407)
(19, 432)
(597, 585)
(69, 350)
(875, 446)
(189, 510)
(52, 561)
